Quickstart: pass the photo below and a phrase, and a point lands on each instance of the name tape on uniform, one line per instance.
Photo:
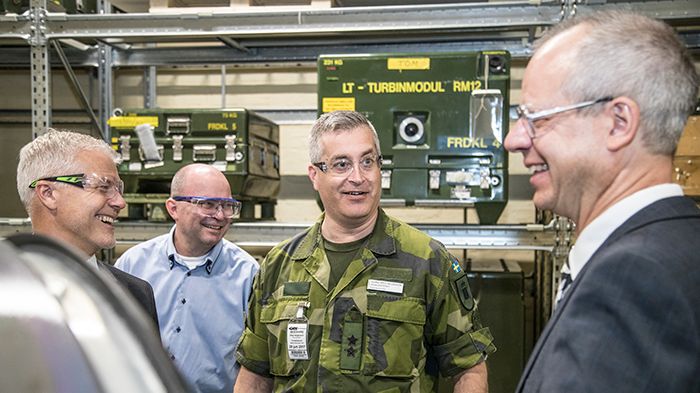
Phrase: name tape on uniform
(385, 286)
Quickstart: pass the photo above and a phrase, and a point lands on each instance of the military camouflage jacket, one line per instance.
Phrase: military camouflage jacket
(401, 312)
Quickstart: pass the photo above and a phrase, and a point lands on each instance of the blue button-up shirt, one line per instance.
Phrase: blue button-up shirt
(201, 311)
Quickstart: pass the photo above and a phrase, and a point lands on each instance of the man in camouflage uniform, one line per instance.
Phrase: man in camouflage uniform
(360, 301)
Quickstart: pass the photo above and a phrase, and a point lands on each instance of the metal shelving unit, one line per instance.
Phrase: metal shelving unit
(264, 235)
(288, 35)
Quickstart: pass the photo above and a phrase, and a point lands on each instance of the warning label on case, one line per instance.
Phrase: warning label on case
(132, 121)
(408, 63)
(331, 104)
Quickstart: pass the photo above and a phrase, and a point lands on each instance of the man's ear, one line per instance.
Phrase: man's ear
(171, 207)
(625, 127)
(47, 195)
(313, 175)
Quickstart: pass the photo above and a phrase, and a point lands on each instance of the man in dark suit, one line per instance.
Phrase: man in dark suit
(604, 102)
(69, 185)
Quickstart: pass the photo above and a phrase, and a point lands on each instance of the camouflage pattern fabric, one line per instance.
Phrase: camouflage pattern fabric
(361, 339)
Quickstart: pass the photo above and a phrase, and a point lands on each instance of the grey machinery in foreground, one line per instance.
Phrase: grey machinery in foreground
(66, 327)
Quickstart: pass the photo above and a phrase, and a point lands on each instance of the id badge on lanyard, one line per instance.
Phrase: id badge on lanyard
(298, 334)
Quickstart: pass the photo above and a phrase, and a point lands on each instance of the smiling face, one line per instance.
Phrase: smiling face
(196, 233)
(565, 158)
(350, 201)
(84, 218)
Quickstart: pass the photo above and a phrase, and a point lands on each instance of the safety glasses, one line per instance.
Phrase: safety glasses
(107, 186)
(210, 206)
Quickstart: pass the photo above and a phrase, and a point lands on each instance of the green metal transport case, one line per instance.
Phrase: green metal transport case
(240, 143)
(441, 120)
(499, 288)
(67, 6)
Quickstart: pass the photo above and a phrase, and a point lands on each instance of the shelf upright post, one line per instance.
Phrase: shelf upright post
(105, 75)
(564, 239)
(149, 87)
(150, 83)
(569, 8)
(40, 69)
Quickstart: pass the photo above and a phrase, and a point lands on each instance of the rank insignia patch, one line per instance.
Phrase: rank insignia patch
(465, 294)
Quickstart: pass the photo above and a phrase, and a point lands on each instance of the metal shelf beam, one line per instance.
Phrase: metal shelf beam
(294, 53)
(302, 22)
(298, 34)
(281, 55)
(384, 21)
(265, 235)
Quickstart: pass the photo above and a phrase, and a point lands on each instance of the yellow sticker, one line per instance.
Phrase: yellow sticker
(331, 104)
(217, 126)
(408, 63)
(132, 121)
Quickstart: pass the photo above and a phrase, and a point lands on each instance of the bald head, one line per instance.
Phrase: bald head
(200, 180)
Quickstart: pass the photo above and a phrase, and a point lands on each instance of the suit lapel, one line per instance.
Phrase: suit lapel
(541, 341)
(664, 209)
(107, 269)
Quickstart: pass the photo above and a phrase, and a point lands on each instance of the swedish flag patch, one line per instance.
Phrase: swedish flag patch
(455, 266)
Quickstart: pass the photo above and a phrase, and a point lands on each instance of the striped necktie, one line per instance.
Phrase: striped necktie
(564, 282)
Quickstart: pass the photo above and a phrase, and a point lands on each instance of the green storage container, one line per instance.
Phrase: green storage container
(243, 145)
(441, 120)
(499, 288)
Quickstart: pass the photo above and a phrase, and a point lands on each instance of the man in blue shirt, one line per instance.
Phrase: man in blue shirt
(201, 281)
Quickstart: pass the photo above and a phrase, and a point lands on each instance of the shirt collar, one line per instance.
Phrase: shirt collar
(212, 255)
(593, 236)
(381, 240)
(92, 261)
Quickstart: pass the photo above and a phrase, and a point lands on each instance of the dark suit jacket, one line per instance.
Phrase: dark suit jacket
(631, 320)
(141, 291)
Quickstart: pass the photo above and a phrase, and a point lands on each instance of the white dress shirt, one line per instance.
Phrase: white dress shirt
(595, 234)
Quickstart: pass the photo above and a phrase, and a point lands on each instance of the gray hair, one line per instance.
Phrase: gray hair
(334, 122)
(51, 154)
(627, 54)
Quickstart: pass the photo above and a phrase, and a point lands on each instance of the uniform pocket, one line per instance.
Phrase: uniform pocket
(394, 328)
(276, 315)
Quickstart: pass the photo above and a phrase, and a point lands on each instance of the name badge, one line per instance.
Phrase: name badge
(297, 333)
(297, 347)
(385, 286)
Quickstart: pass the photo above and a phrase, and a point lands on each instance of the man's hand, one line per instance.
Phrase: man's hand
(473, 380)
(250, 382)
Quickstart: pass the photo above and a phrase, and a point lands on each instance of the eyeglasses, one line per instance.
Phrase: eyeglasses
(107, 186)
(531, 118)
(342, 167)
(210, 206)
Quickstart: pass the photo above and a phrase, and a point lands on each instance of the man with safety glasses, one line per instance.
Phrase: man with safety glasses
(359, 302)
(202, 281)
(605, 98)
(69, 185)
